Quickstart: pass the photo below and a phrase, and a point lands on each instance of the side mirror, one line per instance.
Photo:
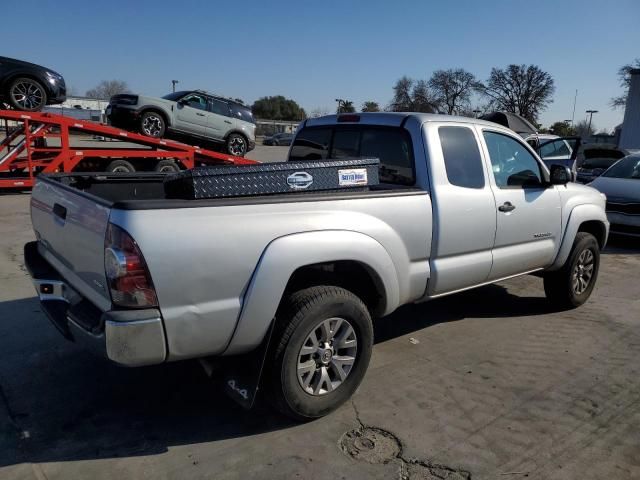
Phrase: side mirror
(182, 102)
(560, 175)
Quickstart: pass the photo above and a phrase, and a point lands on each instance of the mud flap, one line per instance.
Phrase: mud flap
(242, 373)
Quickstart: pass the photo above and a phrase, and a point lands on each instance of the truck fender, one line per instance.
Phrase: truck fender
(579, 215)
(284, 256)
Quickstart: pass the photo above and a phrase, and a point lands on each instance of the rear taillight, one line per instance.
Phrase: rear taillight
(127, 273)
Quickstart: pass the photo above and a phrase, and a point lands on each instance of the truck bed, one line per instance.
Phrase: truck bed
(143, 191)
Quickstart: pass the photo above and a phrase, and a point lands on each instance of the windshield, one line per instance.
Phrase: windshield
(175, 95)
(628, 167)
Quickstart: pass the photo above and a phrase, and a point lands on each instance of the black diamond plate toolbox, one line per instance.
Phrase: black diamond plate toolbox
(270, 178)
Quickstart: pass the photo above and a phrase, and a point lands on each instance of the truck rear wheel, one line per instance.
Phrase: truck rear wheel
(120, 166)
(322, 345)
(167, 166)
(571, 286)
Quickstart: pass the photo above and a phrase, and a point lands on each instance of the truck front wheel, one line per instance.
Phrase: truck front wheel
(322, 345)
(572, 285)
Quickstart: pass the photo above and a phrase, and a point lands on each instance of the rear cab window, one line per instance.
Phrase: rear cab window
(392, 145)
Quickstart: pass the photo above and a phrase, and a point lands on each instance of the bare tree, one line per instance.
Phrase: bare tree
(624, 75)
(523, 89)
(402, 101)
(423, 99)
(108, 88)
(370, 107)
(453, 89)
(583, 129)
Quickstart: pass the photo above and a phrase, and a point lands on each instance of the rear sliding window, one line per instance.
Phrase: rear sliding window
(391, 145)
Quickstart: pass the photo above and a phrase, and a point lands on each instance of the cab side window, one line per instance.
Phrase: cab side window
(196, 101)
(462, 159)
(216, 106)
(512, 164)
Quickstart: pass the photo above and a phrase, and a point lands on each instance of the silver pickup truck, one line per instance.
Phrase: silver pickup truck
(300, 276)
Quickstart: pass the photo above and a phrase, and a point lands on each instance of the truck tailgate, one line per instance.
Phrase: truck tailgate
(70, 229)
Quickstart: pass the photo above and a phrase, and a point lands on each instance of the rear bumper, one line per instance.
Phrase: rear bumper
(123, 117)
(128, 337)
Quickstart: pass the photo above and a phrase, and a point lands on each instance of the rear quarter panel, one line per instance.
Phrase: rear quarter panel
(202, 259)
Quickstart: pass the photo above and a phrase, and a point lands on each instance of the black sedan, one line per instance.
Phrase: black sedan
(279, 139)
(29, 87)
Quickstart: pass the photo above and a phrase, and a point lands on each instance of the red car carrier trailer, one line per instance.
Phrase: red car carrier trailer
(25, 150)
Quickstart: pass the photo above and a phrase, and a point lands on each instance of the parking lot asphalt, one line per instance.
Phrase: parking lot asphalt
(487, 384)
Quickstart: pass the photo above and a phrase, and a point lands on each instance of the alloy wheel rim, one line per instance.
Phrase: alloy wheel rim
(583, 271)
(237, 146)
(28, 95)
(327, 356)
(152, 126)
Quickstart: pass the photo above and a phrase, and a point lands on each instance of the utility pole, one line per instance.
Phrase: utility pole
(573, 115)
(340, 104)
(590, 112)
(173, 83)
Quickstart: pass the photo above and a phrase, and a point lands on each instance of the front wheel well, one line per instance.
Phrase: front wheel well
(595, 228)
(348, 274)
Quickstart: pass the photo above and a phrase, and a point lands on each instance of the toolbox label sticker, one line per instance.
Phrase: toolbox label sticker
(353, 176)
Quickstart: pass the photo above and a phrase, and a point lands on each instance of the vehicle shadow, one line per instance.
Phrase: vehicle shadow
(619, 244)
(65, 404)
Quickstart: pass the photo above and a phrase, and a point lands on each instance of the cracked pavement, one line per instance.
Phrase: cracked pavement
(488, 382)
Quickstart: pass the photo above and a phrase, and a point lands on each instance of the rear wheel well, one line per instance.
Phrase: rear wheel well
(595, 228)
(159, 111)
(348, 274)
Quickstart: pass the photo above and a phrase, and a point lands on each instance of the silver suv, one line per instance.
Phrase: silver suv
(195, 113)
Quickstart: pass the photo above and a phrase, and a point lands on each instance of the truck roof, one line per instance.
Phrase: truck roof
(393, 119)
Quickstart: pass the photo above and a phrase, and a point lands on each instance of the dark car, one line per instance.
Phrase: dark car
(279, 139)
(29, 87)
(596, 161)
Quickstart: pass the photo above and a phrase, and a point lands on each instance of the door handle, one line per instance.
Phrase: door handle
(227, 121)
(507, 207)
(200, 114)
(59, 211)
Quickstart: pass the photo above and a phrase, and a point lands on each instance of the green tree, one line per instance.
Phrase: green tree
(563, 129)
(453, 89)
(624, 75)
(370, 107)
(345, 106)
(523, 89)
(277, 108)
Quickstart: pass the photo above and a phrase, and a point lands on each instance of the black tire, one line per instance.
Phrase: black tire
(27, 94)
(237, 145)
(167, 166)
(152, 124)
(566, 288)
(120, 166)
(298, 316)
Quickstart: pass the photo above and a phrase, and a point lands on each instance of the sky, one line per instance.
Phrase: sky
(315, 52)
